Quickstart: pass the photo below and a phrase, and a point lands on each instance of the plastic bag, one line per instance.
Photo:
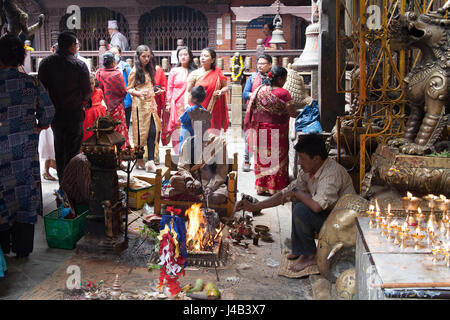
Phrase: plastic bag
(308, 121)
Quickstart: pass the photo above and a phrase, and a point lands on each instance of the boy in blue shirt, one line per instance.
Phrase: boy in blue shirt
(197, 96)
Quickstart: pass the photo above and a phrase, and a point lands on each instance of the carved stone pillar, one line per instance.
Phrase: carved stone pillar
(241, 35)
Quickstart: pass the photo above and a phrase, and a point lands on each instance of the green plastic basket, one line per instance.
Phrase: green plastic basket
(64, 233)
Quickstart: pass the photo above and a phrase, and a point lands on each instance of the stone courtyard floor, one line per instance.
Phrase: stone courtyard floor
(249, 274)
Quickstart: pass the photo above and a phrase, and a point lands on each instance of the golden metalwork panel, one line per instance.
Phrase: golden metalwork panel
(371, 75)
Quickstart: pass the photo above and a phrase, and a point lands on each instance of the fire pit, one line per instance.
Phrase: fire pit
(204, 238)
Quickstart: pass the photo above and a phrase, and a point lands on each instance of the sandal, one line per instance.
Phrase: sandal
(48, 176)
(291, 256)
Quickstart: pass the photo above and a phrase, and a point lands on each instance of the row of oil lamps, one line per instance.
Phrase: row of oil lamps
(437, 235)
(128, 154)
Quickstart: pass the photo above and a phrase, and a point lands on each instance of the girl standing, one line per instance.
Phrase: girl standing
(144, 107)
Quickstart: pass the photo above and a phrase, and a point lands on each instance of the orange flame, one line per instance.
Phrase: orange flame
(419, 211)
(196, 228)
(409, 194)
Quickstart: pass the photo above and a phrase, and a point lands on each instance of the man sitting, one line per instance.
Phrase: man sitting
(319, 185)
(202, 165)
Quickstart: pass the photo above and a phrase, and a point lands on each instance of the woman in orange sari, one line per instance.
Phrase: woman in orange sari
(268, 117)
(215, 83)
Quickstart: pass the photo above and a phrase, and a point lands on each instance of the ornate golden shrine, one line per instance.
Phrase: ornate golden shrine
(371, 75)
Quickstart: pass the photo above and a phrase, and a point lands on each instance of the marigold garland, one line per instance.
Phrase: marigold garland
(241, 68)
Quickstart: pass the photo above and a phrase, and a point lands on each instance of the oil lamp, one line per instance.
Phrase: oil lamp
(430, 230)
(431, 198)
(383, 226)
(371, 212)
(410, 204)
(397, 230)
(404, 235)
(378, 218)
(420, 217)
(389, 214)
(418, 237)
(436, 250)
(442, 204)
(390, 231)
(447, 254)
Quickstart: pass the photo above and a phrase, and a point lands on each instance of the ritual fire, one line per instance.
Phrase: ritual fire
(204, 237)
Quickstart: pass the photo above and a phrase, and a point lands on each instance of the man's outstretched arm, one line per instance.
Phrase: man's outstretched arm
(273, 201)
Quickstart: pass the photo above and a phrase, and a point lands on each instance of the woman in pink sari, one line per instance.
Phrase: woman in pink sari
(210, 77)
(176, 89)
(268, 116)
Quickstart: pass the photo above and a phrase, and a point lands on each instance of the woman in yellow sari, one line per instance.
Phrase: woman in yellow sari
(144, 107)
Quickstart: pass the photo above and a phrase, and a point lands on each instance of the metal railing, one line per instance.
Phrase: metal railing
(281, 57)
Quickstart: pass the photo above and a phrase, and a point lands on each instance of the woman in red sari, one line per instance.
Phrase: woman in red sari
(215, 83)
(268, 117)
(113, 85)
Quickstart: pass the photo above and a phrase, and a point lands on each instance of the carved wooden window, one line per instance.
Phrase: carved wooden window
(161, 27)
(94, 27)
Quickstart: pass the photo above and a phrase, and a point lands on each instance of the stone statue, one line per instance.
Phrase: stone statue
(337, 237)
(427, 85)
(17, 19)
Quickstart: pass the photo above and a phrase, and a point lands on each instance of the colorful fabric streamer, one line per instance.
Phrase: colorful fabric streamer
(172, 261)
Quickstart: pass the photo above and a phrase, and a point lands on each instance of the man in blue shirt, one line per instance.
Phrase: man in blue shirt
(263, 66)
(123, 67)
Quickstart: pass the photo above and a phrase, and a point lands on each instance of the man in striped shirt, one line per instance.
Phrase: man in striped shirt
(319, 185)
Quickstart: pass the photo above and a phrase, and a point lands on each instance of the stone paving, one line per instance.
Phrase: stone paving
(43, 274)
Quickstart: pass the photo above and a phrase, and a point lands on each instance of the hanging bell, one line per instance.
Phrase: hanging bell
(309, 59)
(277, 34)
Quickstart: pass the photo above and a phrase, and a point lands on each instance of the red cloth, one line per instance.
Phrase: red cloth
(271, 176)
(257, 81)
(113, 85)
(160, 79)
(219, 112)
(91, 114)
(118, 114)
